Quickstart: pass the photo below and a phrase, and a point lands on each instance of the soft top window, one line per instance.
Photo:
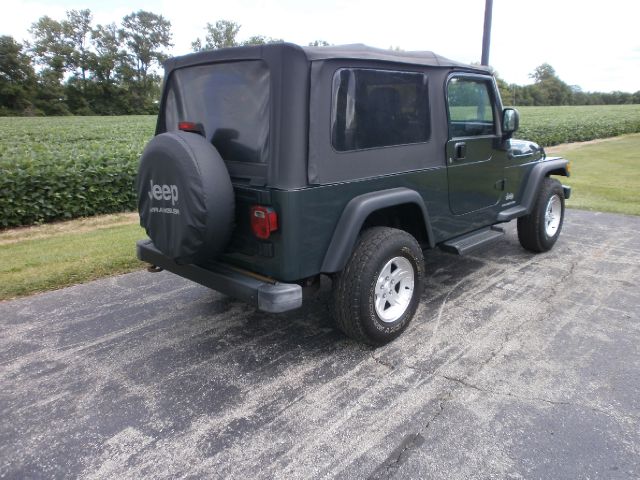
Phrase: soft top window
(377, 108)
(230, 100)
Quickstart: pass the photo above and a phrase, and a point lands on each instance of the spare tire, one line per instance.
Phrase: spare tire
(185, 197)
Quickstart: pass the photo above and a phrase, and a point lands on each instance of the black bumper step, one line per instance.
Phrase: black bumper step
(273, 297)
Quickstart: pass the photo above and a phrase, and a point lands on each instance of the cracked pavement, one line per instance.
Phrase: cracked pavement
(516, 366)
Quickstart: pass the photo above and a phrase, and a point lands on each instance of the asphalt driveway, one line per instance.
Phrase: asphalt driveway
(516, 366)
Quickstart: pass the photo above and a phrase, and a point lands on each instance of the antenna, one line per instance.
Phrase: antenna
(486, 37)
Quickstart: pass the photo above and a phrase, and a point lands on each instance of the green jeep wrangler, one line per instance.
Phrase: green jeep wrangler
(273, 165)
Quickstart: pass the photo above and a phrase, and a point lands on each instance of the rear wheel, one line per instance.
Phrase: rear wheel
(539, 230)
(377, 293)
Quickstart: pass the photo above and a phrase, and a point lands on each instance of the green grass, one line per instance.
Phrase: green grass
(605, 175)
(58, 255)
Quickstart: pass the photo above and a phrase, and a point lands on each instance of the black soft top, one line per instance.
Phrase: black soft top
(299, 104)
(356, 51)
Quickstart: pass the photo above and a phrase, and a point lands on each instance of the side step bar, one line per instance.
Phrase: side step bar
(470, 241)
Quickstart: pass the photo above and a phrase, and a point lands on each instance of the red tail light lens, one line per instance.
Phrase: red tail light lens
(191, 127)
(264, 220)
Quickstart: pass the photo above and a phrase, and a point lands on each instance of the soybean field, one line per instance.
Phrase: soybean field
(554, 125)
(66, 167)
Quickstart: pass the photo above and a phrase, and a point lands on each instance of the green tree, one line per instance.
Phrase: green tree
(222, 34)
(77, 30)
(50, 46)
(108, 54)
(17, 78)
(548, 89)
(506, 93)
(50, 96)
(105, 93)
(146, 35)
(51, 50)
(261, 40)
(543, 72)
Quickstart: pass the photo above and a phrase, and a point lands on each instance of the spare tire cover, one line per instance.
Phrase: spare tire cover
(185, 197)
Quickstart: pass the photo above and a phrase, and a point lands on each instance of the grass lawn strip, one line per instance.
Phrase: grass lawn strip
(605, 174)
(79, 225)
(54, 256)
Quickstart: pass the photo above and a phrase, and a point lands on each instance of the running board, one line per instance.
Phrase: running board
(470, 241)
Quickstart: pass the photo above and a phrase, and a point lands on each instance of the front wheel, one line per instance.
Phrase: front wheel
(539, 230)
(377, 293)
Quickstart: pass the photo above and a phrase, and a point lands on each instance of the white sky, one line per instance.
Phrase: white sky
(595, 45)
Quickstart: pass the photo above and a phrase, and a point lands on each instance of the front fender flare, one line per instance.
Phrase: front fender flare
(354, 215)
(551, 166)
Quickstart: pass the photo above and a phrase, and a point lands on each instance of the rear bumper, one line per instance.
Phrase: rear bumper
(273, 297)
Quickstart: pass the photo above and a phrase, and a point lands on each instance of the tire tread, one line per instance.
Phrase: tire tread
(531, 232)
(348, 284)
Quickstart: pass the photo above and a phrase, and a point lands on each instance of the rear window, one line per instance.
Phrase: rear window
(230, 100)
(378, 108)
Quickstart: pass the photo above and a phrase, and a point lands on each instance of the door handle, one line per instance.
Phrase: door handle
(460, 151)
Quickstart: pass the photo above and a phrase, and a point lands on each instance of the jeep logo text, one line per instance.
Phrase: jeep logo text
(163, 192)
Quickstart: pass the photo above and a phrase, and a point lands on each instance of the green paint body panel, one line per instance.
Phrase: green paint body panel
(475, 181)
(308, 218)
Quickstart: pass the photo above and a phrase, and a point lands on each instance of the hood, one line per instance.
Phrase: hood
(519, 148)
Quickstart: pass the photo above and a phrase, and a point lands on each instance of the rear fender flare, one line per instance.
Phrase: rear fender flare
(354, 215)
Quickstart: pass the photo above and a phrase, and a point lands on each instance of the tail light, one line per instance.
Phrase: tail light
(191, 127)
(264, 220)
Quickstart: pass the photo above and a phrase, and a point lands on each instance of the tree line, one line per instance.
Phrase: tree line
(549, 89)
(72, 66)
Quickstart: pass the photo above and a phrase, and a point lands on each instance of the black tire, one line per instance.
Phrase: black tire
(354, 289)
(532, 229)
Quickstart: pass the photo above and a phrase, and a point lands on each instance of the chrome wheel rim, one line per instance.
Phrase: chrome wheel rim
(394, 289)
(552, 215)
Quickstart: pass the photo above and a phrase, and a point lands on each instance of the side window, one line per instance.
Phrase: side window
(470, 108)
(378, 108)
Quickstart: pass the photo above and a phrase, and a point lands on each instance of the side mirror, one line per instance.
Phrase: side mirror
(510, 122)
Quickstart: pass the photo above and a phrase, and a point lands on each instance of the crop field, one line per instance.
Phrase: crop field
(554, 125)
(67, 167)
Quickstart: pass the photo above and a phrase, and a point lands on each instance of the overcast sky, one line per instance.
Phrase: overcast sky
(595, 45)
